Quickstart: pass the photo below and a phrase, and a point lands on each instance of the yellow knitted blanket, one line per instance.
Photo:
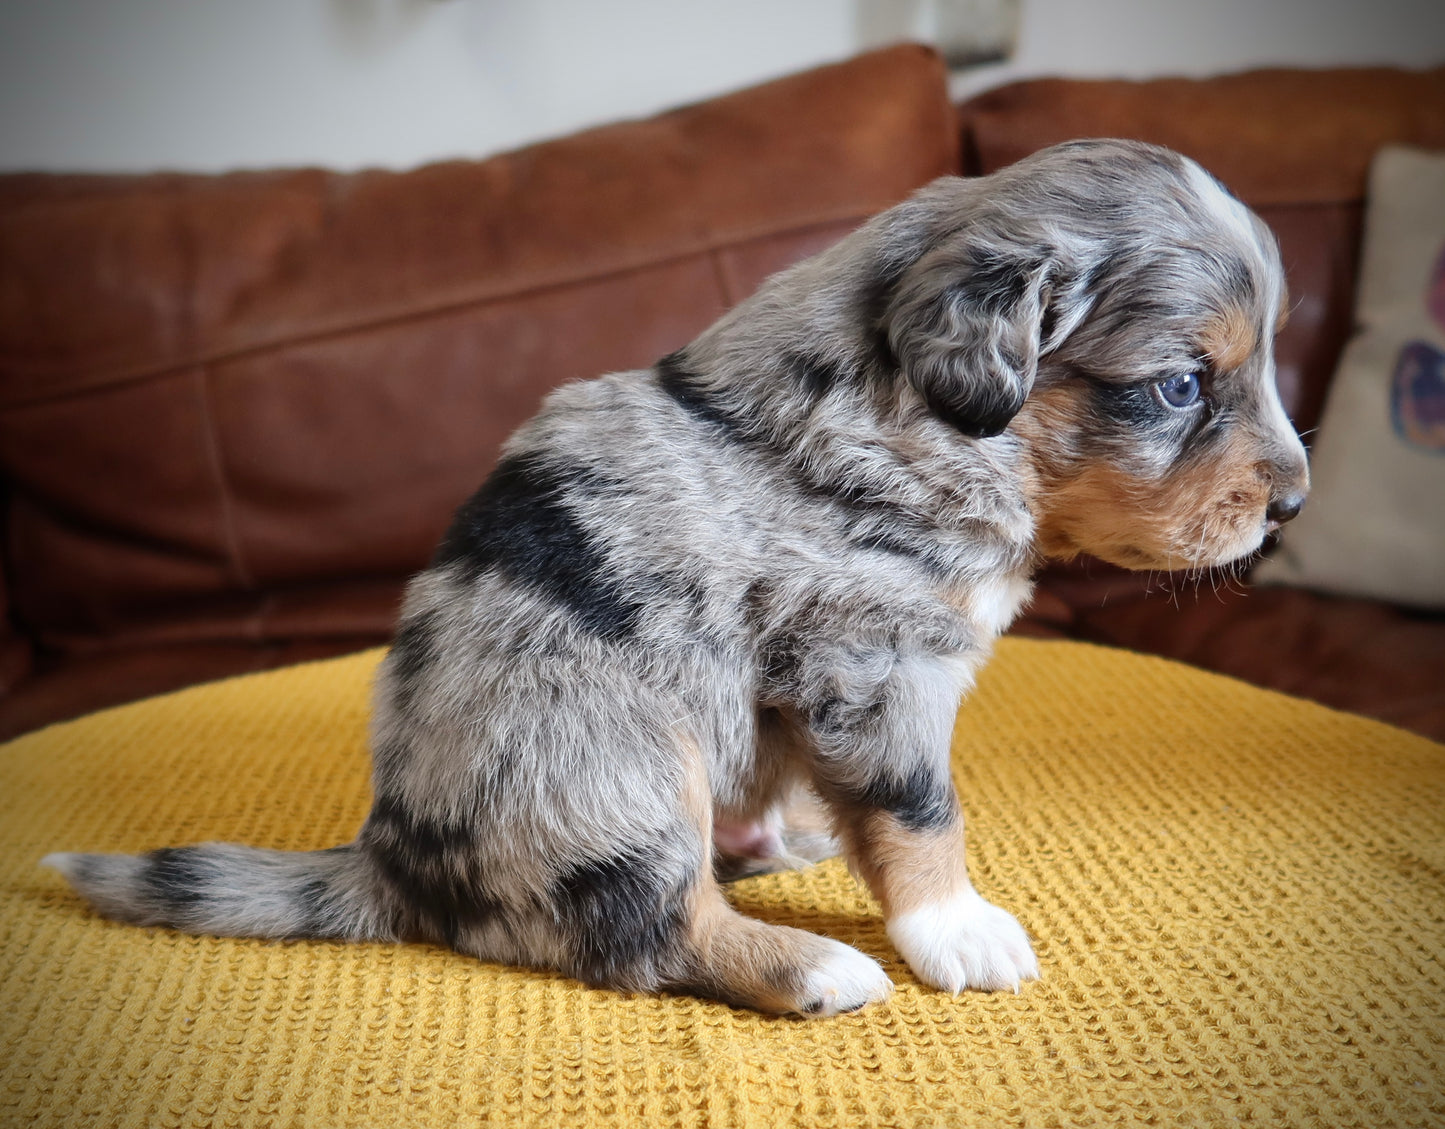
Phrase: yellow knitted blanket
(1236, 896)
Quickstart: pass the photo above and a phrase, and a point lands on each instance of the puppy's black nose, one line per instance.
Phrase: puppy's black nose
(1283, 509)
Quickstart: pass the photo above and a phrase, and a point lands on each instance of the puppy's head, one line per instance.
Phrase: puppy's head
(1110, 306)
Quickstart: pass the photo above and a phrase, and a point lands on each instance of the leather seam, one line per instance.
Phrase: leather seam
(422, 314)
(225, 504)
(720, 276)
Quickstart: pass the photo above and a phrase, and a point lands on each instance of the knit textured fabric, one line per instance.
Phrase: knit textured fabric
(1238, 901)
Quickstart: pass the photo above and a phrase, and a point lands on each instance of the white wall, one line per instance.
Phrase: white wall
(131, 85)
(1150, 38)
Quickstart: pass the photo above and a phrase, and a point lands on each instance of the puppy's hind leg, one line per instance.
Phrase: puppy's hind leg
(653, 918)
(775, 968)
(625, 923)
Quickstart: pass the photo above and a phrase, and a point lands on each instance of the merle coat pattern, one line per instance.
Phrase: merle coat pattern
(717, 616)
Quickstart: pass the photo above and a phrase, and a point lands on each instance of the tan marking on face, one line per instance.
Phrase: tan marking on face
(1216, 507)
(1202, 514)
(1228, 339)
(906, 869)
(1095, 511)
(1198, 514)
(1049, 426)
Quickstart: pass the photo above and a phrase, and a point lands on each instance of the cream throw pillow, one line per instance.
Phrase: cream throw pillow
(1375, 521)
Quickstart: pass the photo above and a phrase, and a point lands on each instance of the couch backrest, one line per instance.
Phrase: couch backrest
(1295, 145)
(220, 396)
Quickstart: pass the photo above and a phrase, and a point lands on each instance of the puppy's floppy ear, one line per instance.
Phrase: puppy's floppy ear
(965, 326)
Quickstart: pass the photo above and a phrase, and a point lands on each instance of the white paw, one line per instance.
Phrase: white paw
(844, 981)
(964, 942)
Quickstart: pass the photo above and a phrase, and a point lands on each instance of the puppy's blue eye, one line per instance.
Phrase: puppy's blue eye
(1180, 391)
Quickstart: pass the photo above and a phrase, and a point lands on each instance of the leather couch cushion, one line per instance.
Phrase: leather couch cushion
(220, 395)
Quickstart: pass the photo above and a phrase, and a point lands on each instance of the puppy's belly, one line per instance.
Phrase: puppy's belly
(755, 839)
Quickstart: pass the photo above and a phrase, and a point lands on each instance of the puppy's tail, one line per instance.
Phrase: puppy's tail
(234, 891)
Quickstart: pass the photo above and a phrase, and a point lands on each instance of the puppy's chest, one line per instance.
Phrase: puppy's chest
(908, 567)
(776, 559)
(873, 601)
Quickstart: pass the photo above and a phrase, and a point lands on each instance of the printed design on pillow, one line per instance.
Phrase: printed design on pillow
(1435, 295)
(1417, 396)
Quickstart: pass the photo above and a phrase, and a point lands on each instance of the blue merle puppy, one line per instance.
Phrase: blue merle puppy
(717, 616)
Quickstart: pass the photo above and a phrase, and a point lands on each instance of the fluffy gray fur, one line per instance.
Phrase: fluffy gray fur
(764, 572)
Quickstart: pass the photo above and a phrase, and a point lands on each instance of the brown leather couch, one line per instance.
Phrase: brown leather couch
(237, 411)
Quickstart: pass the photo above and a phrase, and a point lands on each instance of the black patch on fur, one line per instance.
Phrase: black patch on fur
(851, 496)
(874, 300)
(430, 866)
(1140, 310)
(873, 522)
(978, 412)
(899, 542)
(987, 421)
(1133, 408)
(974, 397)
(1047, 320)
(1210, 426)
(870, 521)
(837, 717)
(819, 375)
(682, 384)
(884, 366)
(622, 917)
(921, 801)
(412, 652)
(1234, 273)
(519, 524)
(996, 283)
(391, 821)
(176, 877)
(1130, 407)
(1120, 408)
(778, 661)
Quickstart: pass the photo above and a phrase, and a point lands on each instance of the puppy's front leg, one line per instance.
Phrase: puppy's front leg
(951, 937)
(883, 766)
